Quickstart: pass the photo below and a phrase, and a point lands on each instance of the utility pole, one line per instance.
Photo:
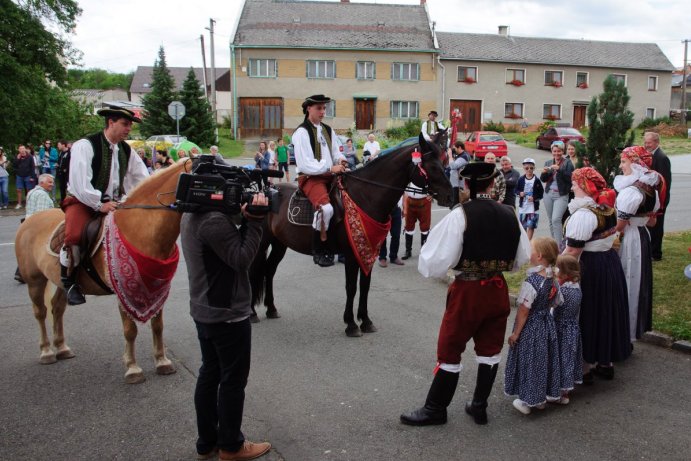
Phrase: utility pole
(206, 83)
(213, 75)
(683, 84)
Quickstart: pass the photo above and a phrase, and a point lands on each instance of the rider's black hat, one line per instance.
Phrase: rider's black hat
(116, 111)
(314, 99)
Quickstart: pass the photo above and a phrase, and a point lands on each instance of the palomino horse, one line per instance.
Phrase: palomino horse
(375, 188)
(156, 239)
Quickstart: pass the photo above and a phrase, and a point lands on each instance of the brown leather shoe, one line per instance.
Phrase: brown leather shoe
(249, 450)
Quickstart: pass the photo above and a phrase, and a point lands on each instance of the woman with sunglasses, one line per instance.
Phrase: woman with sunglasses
(556, 175)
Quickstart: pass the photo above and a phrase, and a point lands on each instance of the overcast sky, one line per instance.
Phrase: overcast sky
(121, 35)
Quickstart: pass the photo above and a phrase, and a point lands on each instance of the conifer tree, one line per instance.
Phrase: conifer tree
(609, 120)
(157, 120)
(198, 122)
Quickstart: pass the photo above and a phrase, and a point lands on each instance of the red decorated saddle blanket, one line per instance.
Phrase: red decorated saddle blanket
(364, 233)
(141, 283)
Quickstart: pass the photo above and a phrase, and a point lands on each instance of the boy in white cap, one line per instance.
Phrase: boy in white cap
(529, 191)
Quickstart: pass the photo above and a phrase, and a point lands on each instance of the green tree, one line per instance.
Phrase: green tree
(609, 120)
(98, 79)
(157, 120)
(198, 122)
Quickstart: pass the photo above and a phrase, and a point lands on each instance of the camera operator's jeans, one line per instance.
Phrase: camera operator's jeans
(556, 206)
(219, 396)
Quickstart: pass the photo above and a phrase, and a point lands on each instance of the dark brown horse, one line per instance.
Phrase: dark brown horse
(376, 189)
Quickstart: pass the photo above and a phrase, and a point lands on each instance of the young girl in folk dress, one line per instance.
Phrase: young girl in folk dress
(568, 331)
(532, 367)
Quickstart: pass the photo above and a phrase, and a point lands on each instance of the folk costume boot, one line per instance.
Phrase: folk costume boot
(477, 408)
(408, 246)
(439, 397)
(320, 251)
(68, 276)
(423, 239)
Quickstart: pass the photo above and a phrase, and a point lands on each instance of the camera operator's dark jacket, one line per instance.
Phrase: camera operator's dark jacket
(218, 256)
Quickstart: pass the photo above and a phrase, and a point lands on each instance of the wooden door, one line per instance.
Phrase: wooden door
(261, 118)
(470, 110)
(364, 114)
(579, 116)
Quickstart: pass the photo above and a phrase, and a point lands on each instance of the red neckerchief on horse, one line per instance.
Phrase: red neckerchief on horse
(364, 233)
(140, 282)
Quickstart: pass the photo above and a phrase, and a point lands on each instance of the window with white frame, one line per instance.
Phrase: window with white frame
(650, 112)
(405, 71)
(261, 68)
(652, 83)
(513, 110)
(515, 76)
(582, 79)
(554, 77)
(330, 109)
(321, 69)
(365, 70)
(467, 74)
(619, 78)
(404, 109)
(551, 111)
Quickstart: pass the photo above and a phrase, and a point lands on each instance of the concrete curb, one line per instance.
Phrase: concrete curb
(666, 341)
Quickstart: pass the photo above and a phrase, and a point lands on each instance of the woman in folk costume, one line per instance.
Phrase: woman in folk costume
(640, 192)
(590, 232)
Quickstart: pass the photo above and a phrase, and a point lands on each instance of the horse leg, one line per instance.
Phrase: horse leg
(59, 304)
(278, 251)
(163, 364)
(134, 374)
(37, 295)
(351, 270)
(366, 326)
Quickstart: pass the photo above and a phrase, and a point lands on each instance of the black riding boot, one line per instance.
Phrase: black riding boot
(408, 246)
(320, 251)
(483, 387)
(74, 293)
(439, 397)
(423, 239)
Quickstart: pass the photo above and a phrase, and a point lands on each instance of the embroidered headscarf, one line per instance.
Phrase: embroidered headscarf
(638, 155)
(593, 184)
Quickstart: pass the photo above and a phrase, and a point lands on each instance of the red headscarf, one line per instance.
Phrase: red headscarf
(638, 154)
(593, 184)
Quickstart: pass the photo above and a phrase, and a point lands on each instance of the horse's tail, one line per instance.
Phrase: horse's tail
(258, 274)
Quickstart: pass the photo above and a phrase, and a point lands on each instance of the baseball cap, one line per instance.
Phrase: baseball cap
(529, 160)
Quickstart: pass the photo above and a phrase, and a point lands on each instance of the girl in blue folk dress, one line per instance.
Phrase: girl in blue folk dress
(568, 331)
(532, 367)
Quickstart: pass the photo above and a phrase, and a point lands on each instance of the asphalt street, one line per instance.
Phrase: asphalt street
(313, 392)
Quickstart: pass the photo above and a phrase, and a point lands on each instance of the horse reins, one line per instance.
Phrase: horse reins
(386, 186)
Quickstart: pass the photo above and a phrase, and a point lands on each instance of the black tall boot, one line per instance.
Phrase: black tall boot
(69, 282)
(483, 387)
(408, 246)
(438, 398)
(423, 239)
(320, 251)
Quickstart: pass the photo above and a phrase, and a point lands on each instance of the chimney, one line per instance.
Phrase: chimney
(422, 2)
(345, 1)
(504, 31)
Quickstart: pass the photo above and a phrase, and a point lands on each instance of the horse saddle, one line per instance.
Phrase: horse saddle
(92, 236)
(301, 210)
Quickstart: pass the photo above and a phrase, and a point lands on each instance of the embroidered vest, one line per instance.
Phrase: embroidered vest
(648, 203)
(314, 142)
(490, 238)
(606, 225)
(101, 163)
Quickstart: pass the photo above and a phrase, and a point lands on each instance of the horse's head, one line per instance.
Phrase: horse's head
(433, 161)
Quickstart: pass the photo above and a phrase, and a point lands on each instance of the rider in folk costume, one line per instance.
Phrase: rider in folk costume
(102, 170)
(430, 127)
(317, 158)
(479, 239)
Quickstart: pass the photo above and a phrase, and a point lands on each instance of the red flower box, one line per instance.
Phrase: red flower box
(513, 116)
(552, 117)
(469, 80)
(583, 85)
(517, 83)
(555, 84)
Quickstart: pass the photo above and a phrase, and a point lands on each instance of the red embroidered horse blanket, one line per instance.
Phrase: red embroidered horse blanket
(364, 233)
(140, 282)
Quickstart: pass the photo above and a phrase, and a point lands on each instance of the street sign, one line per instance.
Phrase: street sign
(176, 110)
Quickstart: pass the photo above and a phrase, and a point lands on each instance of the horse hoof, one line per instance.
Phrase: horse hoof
(136, 377)
(273, 314)
(47, 359)
(65, 354)
(368, 328)
(254, 318)
(167, 369)
(353, 332)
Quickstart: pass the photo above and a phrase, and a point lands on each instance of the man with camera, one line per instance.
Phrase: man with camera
(219, 249)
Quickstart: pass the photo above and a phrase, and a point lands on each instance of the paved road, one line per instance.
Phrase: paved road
(315, 394)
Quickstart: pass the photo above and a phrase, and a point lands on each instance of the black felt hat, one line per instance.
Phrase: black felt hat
(314, 99)
(479, 171)
(116, 111)
(433, 112)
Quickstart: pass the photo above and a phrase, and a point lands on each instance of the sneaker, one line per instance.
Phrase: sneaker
(563, 400)
(249, 450)
(521, 406)
(18, 207)
(383, 263)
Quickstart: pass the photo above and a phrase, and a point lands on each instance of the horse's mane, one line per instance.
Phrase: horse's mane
(148, 188)
(379, 159)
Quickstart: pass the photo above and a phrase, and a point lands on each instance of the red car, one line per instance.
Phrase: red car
(565, 134)
(479, 143)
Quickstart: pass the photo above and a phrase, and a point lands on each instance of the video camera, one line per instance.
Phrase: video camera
(212, 186)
